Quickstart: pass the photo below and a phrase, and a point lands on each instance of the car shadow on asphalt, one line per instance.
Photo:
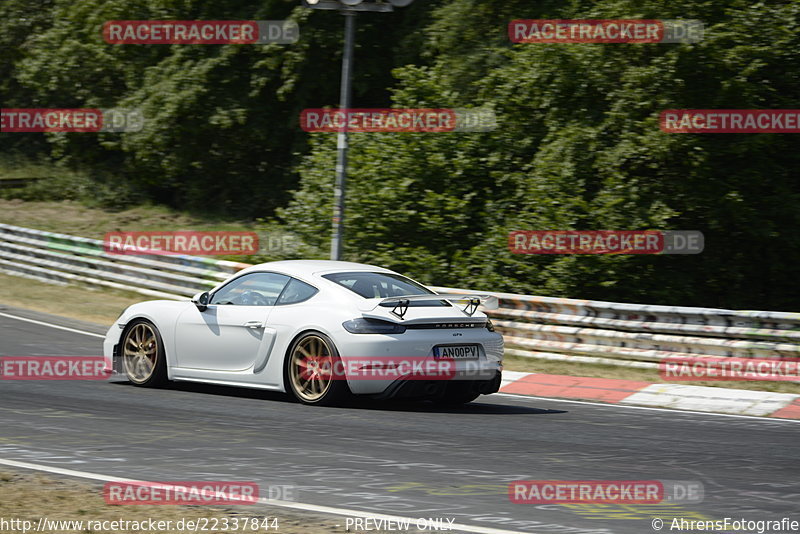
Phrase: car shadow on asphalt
(482, 405)
(225, 391)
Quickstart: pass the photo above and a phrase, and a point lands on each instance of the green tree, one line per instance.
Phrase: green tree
(579, 147)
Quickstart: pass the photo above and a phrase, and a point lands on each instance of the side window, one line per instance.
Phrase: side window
(296, 291)
(255, 289)
(378, 285)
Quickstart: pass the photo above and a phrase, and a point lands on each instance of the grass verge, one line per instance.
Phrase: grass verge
(30, 496)
(72, 217)
(86, 304)
(75, 218)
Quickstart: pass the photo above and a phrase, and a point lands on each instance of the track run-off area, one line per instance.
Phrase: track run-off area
(390, 459)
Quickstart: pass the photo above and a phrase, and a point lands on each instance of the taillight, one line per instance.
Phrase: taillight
(364, 325)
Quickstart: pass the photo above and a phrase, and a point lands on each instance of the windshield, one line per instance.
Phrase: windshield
(378, 285)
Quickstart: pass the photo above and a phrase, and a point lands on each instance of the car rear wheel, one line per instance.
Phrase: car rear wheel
(142, 353)
(311, 374)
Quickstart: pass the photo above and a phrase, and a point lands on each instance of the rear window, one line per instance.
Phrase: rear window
(378, 285)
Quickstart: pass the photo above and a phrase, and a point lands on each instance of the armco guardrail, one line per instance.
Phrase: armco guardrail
(636, 335)
(630, 335)
(62, 258)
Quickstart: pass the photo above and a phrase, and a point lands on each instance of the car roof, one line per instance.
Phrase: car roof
(308, 268)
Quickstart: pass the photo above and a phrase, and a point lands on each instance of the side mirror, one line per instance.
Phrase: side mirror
(201, 300)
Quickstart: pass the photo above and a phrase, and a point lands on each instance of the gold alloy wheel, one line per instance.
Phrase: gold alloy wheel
(140, 353)
(310, 368)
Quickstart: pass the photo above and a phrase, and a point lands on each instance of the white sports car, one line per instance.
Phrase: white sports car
(319, 330)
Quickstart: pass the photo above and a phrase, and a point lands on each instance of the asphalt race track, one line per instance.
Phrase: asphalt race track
(406, 459)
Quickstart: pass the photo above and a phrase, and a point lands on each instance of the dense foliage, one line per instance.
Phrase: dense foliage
(577, 146)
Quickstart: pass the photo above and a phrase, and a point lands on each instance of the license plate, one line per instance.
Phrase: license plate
(456, 352)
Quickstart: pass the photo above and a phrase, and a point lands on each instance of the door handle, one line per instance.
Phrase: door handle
(254, 324)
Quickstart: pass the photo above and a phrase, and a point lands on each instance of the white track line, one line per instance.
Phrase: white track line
(270, 502)
(51, 325)
(629, 407)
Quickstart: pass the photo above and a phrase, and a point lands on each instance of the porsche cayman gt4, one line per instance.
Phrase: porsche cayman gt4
(318, 330)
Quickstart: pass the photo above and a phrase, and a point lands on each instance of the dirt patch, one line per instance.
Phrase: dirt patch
(70, 217)
(84, 303)
(26, 496)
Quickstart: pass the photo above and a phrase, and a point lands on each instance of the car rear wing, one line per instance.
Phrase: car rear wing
(400, 304)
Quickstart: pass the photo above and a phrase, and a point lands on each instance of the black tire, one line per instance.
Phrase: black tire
(314, 391)
(141, 346)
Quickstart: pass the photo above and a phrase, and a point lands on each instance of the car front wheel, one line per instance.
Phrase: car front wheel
(142, 353)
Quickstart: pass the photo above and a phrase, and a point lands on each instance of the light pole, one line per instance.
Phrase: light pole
(343, 139)
(348, 8)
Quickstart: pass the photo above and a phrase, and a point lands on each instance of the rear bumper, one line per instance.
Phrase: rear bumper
(477, 371)
(418, 345)
(428, 389)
